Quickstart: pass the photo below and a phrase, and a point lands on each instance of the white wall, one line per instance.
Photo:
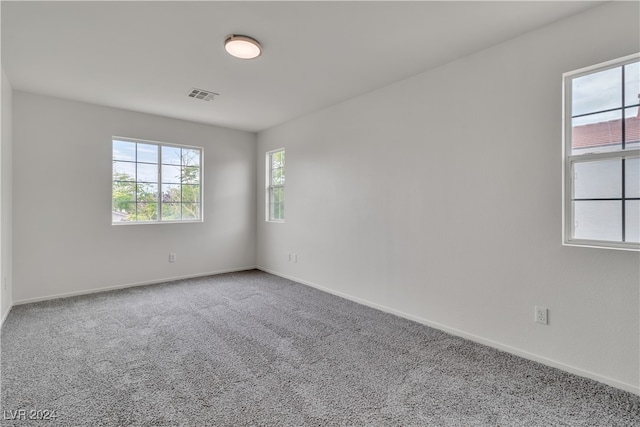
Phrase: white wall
(64, 242)
(439, 197)
(5, 198)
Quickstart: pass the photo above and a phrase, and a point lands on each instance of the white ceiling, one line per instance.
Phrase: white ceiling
(146, 56)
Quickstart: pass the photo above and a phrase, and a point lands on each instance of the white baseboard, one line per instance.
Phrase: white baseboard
(503, 347)
(128, 285)
(5, 315)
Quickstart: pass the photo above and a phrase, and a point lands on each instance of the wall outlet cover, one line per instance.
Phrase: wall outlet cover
(542, 315)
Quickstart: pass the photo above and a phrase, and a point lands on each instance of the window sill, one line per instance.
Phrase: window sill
(127, 223)
(595, 244)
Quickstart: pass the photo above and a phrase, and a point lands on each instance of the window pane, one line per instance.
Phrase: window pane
(597, 92)
(171, 211)
(191, 193)
(171, 155)
(632, 128)
(147, 153)
(598, 220)
(124, 171)
(600, 179)
(276, 210)
(124, 150)
(125, 212)
(277, 176)
(190, 157)
(147, 211)
(170, 193)
(147, 173)
(632, 221)
(190, 211)
(277, 195)
(271, 203)
(123, 194)
(597, 133)
(632, 177)
(278, 204)
(147, 192)
(191, 175)
(632, 83)
(275, 159)
(171, 174)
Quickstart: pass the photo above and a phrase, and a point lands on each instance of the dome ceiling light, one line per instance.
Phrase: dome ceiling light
(243, 47)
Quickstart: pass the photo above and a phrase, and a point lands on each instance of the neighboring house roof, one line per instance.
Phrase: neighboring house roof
(118, 216)
(606, 133)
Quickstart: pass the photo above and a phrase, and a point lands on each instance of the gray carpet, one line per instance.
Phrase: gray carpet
(254, 349)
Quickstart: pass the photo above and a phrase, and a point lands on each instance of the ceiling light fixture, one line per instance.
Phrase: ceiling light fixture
(242, 47)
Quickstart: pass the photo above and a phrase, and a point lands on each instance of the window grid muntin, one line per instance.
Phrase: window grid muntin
(159, 202)
(571, 159)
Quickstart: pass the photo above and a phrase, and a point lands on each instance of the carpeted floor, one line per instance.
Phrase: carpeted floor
(254, 349)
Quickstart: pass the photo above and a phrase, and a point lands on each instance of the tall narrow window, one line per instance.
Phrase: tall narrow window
(155, 182)
(602, 155)
(275, 190)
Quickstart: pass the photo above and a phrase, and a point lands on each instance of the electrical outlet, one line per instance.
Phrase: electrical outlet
(172, 257)
(289, 257)
(294, 258)
(541, 315)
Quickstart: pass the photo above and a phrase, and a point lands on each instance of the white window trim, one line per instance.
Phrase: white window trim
(268, 186)
(164, 144)
(568, 159)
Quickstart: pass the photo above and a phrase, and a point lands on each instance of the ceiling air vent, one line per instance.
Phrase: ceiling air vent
(205, 95)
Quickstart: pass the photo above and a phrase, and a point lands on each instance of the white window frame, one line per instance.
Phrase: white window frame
(269, 185)
(160, 145)
(569, 159)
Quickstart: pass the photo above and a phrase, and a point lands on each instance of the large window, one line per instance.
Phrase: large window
(602, 155)
(275, 187)
(155, 182)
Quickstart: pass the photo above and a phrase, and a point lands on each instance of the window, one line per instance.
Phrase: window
(155, 182)
(602, 155)
(275, 189)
